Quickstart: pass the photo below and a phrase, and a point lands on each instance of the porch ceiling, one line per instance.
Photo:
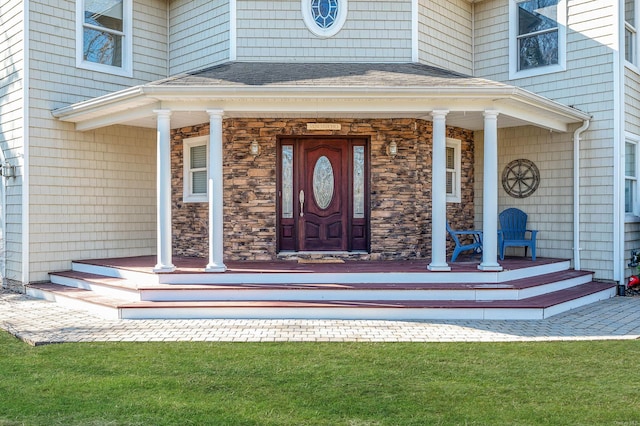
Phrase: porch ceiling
(321, 91)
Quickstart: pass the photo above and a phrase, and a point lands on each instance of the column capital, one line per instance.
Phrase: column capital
(491, 113)
(215, 113)
(162, 112)
(439, 113)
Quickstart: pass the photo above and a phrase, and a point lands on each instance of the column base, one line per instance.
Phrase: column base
(163, 269)
(439, 267)
(214, 267)
(490, 267)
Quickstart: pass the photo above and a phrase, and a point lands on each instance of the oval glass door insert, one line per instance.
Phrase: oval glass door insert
(323, 182)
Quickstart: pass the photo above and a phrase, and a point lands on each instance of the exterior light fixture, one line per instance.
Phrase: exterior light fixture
(392, 149)
(7, 170)
(254, 148)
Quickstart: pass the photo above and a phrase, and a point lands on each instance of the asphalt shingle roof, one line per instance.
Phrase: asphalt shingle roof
(256, 74)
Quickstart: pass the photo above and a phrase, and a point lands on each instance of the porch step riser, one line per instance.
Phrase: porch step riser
(555, 286)
(329, 314)
(102, 311)
(104, 290)
(583, 301)
(139, 277)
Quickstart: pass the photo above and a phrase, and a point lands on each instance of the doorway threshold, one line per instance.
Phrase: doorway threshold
(323, 255)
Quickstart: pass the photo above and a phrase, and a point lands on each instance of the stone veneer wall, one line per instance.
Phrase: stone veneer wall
(400, 187)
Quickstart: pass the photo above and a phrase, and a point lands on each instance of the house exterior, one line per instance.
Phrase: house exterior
(215, 129)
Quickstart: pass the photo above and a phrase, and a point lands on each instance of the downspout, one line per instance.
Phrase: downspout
(26, 248)
(576, 194)
(167, 53)
(3, 221)
(619, 60)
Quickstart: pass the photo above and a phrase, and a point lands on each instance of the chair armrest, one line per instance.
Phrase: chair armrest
(469, 232)
(475, 233)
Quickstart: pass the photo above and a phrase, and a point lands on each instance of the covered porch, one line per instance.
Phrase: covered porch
(327, 92)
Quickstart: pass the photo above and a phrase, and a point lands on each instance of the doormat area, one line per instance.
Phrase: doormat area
(320, 261)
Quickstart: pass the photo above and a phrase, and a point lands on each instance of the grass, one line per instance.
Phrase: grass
(560, 383)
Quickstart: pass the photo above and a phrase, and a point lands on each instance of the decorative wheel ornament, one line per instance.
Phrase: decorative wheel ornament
(520, 178)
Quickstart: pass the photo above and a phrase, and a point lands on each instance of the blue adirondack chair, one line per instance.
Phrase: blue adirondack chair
(513, 232)
(475, 236)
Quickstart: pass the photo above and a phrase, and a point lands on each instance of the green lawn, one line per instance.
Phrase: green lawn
(558, 383)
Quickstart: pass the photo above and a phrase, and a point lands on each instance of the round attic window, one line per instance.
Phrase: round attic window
(324, 18)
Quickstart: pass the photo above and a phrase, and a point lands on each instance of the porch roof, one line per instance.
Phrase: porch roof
(337, 90)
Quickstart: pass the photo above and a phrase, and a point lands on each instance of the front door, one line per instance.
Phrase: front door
(323, 194)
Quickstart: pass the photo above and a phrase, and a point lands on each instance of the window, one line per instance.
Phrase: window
(104, 35)
(631, 206)
(324, 18)
(195, 155)
(453, 170)
(359, 186)
(630, 31)
(537, 37)
(287, 181)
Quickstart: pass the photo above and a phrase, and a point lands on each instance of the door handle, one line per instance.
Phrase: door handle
(301, 202)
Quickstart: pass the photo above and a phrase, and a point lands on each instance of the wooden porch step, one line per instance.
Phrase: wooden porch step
(537, 307)
(190, 271)
(86, 280)
(78, 298)
(542, 301)
(121, 288)
(98, 279)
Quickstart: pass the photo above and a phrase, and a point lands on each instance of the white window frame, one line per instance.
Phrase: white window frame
(324, 32)
(455, 196)
(632, 215)
(514, 72)
(127, 42)
(634, 35)
(187, 195)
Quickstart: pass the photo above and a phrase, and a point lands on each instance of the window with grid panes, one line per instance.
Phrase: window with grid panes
(104, 35)
(195, 154)
(631, 176)
(453, 158)
(537, 37)
(630, 31)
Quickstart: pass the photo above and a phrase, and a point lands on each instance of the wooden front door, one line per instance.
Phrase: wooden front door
(323, 194)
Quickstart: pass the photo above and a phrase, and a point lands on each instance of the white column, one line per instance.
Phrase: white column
(439, 193)
(490, 194)
(163, 188)
(215, 193)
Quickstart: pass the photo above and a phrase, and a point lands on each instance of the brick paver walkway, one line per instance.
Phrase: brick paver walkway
(40, 322)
